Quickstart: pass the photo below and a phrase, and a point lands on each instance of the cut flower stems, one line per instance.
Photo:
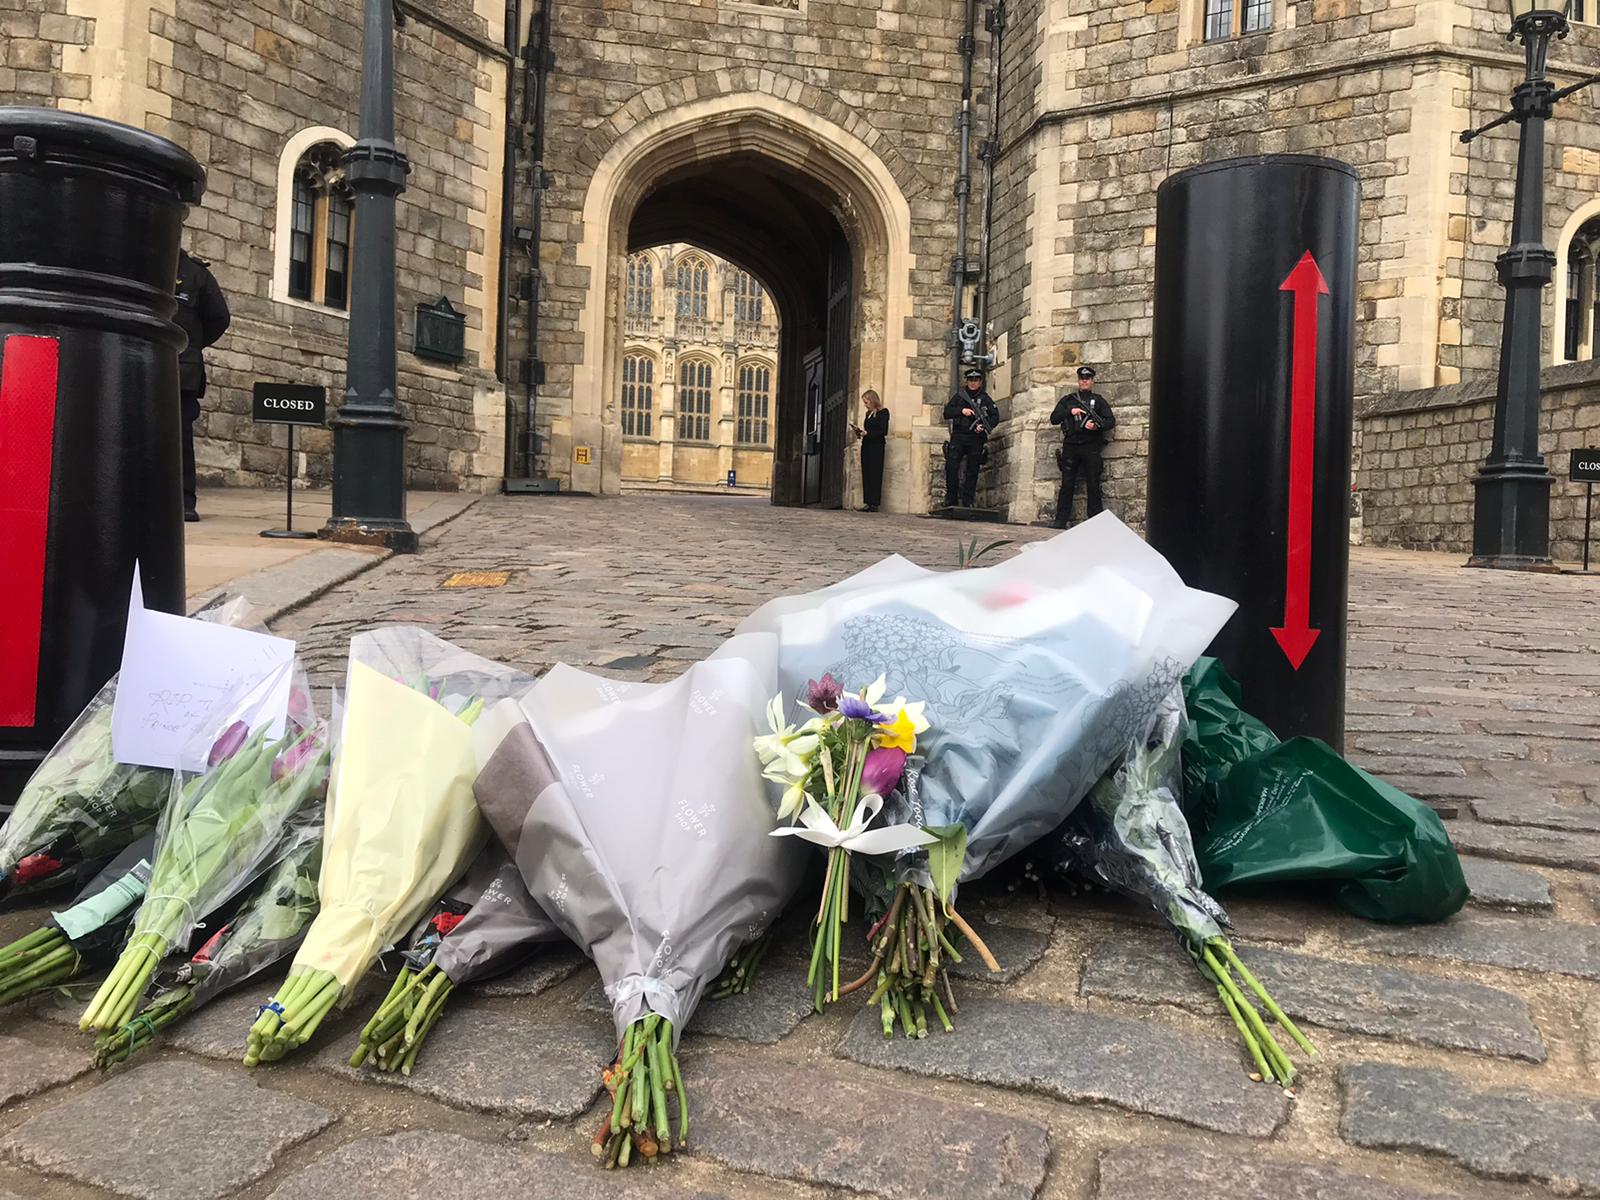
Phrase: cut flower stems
(1218, 963)
(645, 1085)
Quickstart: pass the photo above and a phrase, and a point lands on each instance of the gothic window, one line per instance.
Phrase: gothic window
(638, 395)
(1222, 19)
(641, 285)
(694, 401)
(749, 299)
(694, 289)
(1581, 320)
(320, 217)
(754, 402)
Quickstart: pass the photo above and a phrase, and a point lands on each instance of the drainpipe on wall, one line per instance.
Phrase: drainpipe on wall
(508, 199)
(995, 22)
(958, 264)
(538, 62)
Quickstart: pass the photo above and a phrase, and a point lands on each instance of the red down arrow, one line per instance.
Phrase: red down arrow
(1295, 636)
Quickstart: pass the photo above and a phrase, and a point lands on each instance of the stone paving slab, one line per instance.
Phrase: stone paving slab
(548, 967)
(1378, 1001)
(810, 1125)
(765, 1014)
(27, 1069)
(1501, 885)
(1183, 1172)
(1544, 814)
(1014, 948)
(149, 1133)
(220, 1030)
(1542, 847)
(1522, 944)
(494, 1062)
(1138, 1065)
(1496, 1133)
(447, 1166)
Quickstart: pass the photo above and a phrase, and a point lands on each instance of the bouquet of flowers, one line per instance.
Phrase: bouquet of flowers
(84, 934)
(218, 832)
(500, 929)
(82, 808)
(639, 821)
(268, 926)
(1132, 836)
(399, 827)
(1038, 672)
(835, 770)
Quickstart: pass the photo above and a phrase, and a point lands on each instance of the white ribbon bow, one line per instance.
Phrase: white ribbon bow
(818, 827)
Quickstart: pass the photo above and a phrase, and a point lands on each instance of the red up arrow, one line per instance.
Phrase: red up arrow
(1295, 636)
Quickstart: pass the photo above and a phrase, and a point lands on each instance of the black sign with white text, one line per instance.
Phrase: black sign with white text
(1585, 466)
(289, 404)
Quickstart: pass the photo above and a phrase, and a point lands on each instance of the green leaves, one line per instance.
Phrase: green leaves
(968, 554)
(945, 858)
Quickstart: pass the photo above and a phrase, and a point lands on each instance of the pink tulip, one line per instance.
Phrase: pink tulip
(296, 758)
(881, 773)
(226, 746)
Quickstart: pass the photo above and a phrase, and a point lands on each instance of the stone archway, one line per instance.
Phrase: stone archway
(651, 185)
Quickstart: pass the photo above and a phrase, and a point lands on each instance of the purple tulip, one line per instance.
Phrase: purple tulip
(822, 695)
(226, 746)
(881, 773)
(296, 758)
(857, 709)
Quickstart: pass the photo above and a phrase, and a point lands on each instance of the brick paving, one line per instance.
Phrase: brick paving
(1457, 1061)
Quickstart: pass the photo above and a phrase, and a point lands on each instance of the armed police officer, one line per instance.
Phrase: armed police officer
(1085, 419)
(972, 416)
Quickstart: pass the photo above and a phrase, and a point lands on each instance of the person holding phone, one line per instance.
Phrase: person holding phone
(874, 434)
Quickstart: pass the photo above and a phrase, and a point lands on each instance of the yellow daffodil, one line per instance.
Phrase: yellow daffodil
(900, 733)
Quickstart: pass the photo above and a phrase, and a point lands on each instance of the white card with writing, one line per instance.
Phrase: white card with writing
(177, 672)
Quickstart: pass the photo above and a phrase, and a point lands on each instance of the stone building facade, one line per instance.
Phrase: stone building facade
(265, 95)
(699, 365)
(815, 144)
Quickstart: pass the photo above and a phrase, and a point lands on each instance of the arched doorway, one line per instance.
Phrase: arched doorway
(811, 211)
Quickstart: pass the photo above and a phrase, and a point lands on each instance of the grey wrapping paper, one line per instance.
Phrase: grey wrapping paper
(638, 818)
(500, 930)
(1038, 672)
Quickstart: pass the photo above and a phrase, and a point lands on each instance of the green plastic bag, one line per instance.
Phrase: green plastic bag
(1265, 811)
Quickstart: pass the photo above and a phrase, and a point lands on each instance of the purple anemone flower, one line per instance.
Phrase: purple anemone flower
(857, 709)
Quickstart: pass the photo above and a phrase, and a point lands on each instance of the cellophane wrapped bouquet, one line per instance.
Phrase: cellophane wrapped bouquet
(639, 821)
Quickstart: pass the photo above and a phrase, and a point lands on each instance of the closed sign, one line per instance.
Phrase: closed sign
(1585, 466)
(289, 404)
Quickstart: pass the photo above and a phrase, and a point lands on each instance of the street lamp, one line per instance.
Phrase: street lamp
(369, 438)
(1511, 519)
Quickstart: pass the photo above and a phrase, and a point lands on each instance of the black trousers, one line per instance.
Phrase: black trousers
(963, 455)
(191, 414)
(872, 472)
(1075, 461)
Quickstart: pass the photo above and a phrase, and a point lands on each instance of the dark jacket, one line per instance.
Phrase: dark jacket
(1094, 406)
(985, 414)
(875, 426)
(202, 315)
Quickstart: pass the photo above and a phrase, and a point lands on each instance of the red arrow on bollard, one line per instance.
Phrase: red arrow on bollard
(1295, 636)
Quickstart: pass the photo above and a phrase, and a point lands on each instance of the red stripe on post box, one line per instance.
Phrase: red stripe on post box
(28, 373)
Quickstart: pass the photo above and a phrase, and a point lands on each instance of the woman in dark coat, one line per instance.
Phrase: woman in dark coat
(874, 434)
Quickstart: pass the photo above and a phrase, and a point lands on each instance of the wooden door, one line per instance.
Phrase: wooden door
(836, 373)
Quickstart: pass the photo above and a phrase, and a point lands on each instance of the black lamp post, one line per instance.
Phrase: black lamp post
(1511, 520)
(369, 438)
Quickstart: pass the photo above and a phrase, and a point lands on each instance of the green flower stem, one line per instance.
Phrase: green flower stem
(1281, 1068)
(645, 1074)
(1265, 1071)
(1267, 1001)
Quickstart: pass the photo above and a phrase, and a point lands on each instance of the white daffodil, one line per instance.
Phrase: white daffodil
(791, 745)
(793, 798)
(875, 692)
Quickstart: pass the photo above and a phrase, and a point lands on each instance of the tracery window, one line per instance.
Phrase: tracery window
(638, 395)
(694, 289)
(641, 285)
(694, 400)
(321, 216)
(754, 402)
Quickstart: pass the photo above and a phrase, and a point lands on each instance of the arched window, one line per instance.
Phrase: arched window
(641, 285)
(749, 299)
(754, 396)
(638, 395)
(694, 289)
(1581, 319)
(694, 400)
(321, 212)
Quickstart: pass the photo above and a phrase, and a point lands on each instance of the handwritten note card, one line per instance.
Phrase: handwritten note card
(183, 681)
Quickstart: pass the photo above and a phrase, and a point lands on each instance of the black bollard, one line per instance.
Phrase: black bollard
(1250, 418)
(91, 213)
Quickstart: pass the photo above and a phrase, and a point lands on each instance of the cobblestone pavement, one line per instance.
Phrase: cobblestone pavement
(1458, 1060)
